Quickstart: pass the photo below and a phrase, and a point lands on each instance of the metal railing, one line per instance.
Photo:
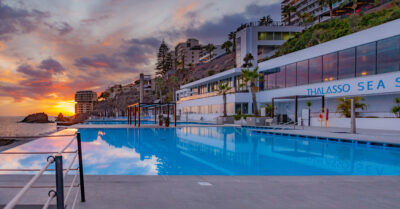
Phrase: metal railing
(282, 126)
(60, 175)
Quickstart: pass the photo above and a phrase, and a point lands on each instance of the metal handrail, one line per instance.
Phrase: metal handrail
(60, 175)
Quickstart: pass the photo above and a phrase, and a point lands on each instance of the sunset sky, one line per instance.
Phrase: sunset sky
(51, 48)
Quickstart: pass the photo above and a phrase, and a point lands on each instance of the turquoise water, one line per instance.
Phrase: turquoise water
(217, 151)
(110, 122)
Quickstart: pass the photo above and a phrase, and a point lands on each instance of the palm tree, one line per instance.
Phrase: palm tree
(210, 48)
(269, 20)
(354, 6)
(262, 21)
(223, 89)
(251, 77)
(329, 3)
(160, 83)
(232, 36)
(227, 46)
(247, 60)
(344, 106)
(287, 10)
(173, 80)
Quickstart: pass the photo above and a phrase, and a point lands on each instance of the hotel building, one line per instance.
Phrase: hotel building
(84, 101)
(262, 40)
(366, 63)
(188, 52)
(313, 8)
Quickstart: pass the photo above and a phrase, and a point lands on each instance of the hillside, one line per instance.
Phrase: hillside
(339, 27)
(220, 64)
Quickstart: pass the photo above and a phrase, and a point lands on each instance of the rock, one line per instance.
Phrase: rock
(36, 118)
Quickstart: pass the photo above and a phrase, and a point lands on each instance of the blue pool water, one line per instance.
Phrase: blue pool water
(110, 122)
(215, 151)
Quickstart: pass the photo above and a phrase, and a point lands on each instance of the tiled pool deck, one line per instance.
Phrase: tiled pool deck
(230, 192)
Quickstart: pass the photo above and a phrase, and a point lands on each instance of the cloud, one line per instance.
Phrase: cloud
(52, 66)
(140, 51)
(17, 21)
(61, 27)
(98, 61)
(38, 81)
(216, 31)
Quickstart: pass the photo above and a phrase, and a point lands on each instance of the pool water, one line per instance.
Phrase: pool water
(218, 151)
(110, 122)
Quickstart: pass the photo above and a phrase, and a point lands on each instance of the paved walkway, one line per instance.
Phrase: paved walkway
(382, 136)
(230, 192)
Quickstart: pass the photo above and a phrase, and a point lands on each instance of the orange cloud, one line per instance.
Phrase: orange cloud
(179, 14)
(101, 64)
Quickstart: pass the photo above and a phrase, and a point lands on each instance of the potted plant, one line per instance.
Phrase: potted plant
(167, 122)
(396, 109)
(160, 120)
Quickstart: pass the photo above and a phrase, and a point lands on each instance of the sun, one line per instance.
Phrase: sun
(67, 108)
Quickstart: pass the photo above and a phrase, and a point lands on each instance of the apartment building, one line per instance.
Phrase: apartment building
(84, 101)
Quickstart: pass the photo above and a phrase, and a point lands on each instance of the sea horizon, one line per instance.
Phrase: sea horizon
(11, 126)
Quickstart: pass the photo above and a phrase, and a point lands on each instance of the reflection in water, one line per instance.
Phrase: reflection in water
(226, 151)
(211, 151)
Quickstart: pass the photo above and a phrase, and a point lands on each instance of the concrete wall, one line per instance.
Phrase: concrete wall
(362, 123)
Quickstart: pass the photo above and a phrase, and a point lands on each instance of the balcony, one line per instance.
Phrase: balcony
(210, 94)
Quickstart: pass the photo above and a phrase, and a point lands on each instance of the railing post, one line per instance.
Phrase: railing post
(82, 183)
(59, 182)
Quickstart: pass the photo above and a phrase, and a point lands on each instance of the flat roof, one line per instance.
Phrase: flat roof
(379, 32)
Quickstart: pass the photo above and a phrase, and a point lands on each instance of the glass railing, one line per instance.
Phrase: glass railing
(210, 94)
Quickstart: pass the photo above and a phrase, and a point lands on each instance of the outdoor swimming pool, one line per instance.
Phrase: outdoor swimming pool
(214, 151)
(117, 122)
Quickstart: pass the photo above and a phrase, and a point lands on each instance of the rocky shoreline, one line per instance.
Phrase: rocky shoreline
(37, 118)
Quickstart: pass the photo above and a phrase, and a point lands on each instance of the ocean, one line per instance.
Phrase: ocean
(9, 126)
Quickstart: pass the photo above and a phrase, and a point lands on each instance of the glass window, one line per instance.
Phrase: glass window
(262, 36)
(245, 108)
(330, 67)
(265, 36)
(278, 36)
(286, 36)
(315, 70)
(366, 59)
(271, 81)
(280, 78)
(347, 63)
(389, 55)
(291, 75)
(302, 72)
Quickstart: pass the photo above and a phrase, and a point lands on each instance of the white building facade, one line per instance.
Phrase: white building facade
(261, 41)
(366, 63)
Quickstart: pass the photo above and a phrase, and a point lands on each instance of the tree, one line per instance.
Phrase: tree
(174, 82)
(164, 59)
(160, 83)
(247, 60)
(306, 17)
(251, 77)
(328, 3)
(287, 10)
(344, 106)
(396, 109)
(223, 89)
(227, 46)
(210, 48)
(60, 117)
(266, 20)
(232, 37)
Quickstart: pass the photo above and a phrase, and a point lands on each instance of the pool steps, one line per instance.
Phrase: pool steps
(264, 130)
